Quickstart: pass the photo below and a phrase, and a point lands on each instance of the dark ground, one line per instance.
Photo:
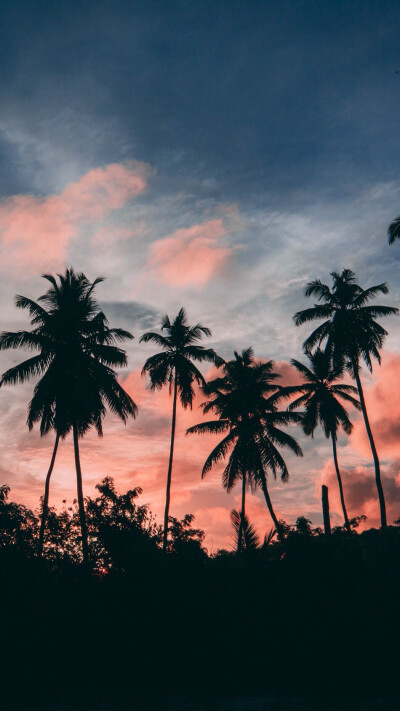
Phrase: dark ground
(308, 625)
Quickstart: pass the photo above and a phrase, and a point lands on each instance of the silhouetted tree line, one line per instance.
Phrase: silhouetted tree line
(120, 531)
(310, 615)
(77, 353)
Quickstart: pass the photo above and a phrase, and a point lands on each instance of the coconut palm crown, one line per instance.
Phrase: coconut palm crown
(76, 358)
(321, 394)
(349, 330)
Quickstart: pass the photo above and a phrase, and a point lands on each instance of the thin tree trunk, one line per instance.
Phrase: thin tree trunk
(325, 510)
(270, 509)
(339, 478)
(242, 514)
(45, 508)
(381, 496)
(171, 457)
(263, 480)
(81, 506)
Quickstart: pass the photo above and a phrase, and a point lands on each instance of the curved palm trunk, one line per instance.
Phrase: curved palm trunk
(82, 517)
(270, 509)
(381, 496)
(169, 475)
(45, 508)
(242, 514)
(339, 478)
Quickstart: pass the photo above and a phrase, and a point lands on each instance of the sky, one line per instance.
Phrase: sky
(211, 155)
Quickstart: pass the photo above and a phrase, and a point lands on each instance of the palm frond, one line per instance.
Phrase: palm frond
(394, 230)
(211, 427)
(157, 338)
(21, 339)
(317, 336)
(219, 452)
(249, 538)
(305, 372)
(312, 314)
(348, 398)
(203, 354)
(37, 312)
(317, 288)
(195, 333)
(26, 370)
(284, 439)
(299, 402)
(109, 355)
(377, 311)
(367, 294)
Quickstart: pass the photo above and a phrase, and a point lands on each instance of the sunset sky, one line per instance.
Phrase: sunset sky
(215, 155)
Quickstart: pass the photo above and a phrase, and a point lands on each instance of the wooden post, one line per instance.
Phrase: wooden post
(325, 510)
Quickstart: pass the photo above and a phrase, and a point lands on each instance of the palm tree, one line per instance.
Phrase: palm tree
(245, 399)
(244, 532)
(394, 230)
(174, 367)
(75, 359)
(320, 397)
(351, 335)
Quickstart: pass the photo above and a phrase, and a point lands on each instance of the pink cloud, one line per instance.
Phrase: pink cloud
(35, 232)
(360, 492)
(287, 371)
(383, 405)
(192, 256)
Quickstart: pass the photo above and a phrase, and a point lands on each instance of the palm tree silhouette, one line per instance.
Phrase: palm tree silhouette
(77, 354)
(245, 398)
(320, 397)
(351, 335)
(174, 367)
(394, 230)
(244, 532)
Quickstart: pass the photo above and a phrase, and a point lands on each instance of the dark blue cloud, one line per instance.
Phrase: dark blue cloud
(279, 99)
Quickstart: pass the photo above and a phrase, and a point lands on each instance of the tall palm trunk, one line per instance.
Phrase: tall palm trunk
(81, 506)
(242, 514)
(45, 508)
(381, 496)
(270, 509)
(171, 457)
(339, 478)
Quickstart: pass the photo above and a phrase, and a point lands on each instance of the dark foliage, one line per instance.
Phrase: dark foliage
(310, 609)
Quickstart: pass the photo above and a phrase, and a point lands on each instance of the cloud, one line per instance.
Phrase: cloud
(383, 405)
(128, 314)
(108, 236)
(35, 231)
(287, 371)
(360, 492)
(191, 256)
